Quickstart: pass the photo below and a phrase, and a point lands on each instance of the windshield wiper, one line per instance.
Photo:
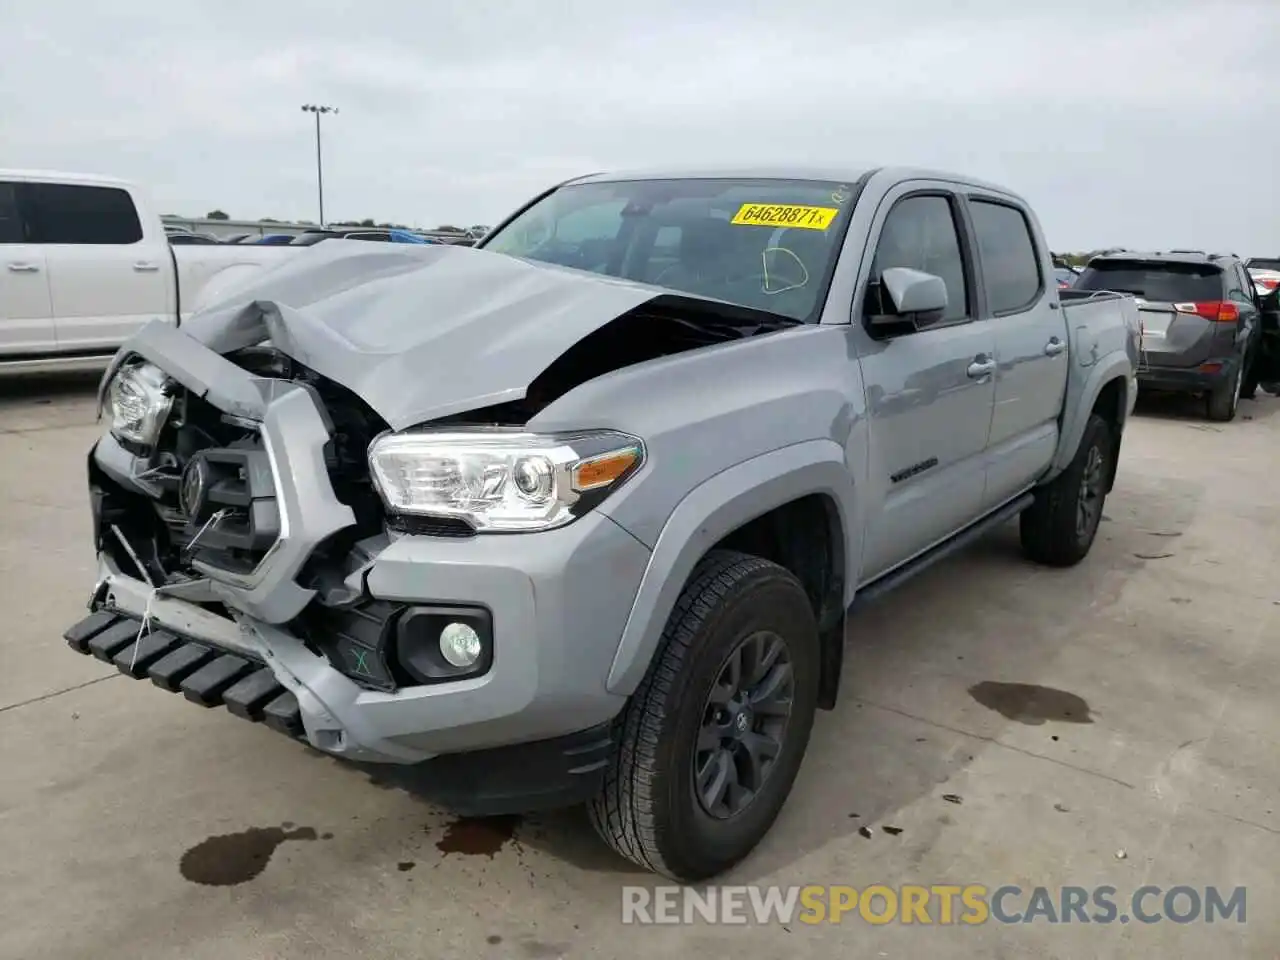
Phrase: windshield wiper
(716, 329)
(703, 312)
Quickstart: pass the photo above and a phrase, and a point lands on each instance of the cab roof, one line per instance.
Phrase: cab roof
(841, 173)
(59, 176)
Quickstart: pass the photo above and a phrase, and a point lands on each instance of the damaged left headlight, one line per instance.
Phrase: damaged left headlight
(501, 481)
(138, 400)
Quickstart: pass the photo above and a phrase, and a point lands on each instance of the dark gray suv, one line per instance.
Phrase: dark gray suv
(1202, 322)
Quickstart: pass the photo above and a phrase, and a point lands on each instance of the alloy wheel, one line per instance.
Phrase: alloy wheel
(744, 725)
(1089, 503)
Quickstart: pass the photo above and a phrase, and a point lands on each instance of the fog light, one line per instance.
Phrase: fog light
(460, 644)
(442, 644)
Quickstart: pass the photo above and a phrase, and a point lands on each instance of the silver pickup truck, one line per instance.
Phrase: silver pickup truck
(578, 515)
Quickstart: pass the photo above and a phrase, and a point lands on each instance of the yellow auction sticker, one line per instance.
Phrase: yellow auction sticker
(784, 215)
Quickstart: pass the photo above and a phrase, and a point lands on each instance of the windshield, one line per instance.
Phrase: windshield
(767, 244)
(1263, 263)
(1153, 280)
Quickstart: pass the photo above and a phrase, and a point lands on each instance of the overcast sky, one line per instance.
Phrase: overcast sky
(1128, 122)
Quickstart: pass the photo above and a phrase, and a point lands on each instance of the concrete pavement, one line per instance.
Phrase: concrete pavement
(1014, 725)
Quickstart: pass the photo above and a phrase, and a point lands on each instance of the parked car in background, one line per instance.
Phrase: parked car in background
(377, 235)
(85, 262)
(1066, 276)
(274, 240)
(590, 534)
(1202, 321)
(1265, 272)
(408, 236)
(193, 239)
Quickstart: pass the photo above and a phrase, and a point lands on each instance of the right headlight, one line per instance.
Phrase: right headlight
(139, 398)
(498, 480)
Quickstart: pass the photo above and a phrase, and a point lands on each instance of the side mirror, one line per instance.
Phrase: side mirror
(917, 297)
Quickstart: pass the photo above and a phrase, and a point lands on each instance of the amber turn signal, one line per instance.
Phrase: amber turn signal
(603, 470)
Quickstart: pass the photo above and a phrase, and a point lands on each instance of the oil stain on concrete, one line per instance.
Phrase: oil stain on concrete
(1030, 703)
(232, 858)
(478, 836)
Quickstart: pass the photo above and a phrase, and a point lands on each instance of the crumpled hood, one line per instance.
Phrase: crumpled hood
(418, 332)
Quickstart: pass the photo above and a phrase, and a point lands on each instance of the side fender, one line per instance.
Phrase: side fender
(711, 511)
(1079, 407)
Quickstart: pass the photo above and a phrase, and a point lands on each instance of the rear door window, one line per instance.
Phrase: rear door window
(11, 226)
(1154, 280)
(1010, 264)
(74, 213)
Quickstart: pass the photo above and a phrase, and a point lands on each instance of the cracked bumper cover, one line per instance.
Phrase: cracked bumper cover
(558, 599)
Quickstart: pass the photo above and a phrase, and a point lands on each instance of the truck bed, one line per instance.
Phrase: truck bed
(1090, 316)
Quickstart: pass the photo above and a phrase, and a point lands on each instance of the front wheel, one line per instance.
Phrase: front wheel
(713, 738)
(1059, 528)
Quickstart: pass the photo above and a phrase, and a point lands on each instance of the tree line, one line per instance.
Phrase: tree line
(1079, 259)
(367, 222)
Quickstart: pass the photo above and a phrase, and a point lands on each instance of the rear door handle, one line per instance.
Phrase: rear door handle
(982, 366)
(146, 266)
(1054, 347)
(24, 268)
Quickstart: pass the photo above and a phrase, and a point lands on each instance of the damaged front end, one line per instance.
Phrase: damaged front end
(234, 550)
(300, 520)
(222, 535)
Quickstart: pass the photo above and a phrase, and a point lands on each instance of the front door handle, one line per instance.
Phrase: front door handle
(1054, 347)
(24, 268)
(146, 266)
(982, 366)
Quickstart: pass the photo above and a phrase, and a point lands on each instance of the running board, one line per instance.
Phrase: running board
(895, 578)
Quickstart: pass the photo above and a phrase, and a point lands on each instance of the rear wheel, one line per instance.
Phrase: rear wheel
(1059, 528)
(713, 738)
(1224, 400)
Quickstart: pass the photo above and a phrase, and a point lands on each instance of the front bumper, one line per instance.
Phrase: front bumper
(558, 602)
(545, 774)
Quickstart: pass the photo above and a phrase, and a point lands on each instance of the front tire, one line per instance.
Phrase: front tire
(1059, 528)
(714, 736)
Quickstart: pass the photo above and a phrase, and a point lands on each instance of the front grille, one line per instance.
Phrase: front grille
(354, 425)
(236, 518)
(232, 518)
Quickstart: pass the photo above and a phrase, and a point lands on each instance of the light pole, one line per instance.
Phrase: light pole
(317, 110)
